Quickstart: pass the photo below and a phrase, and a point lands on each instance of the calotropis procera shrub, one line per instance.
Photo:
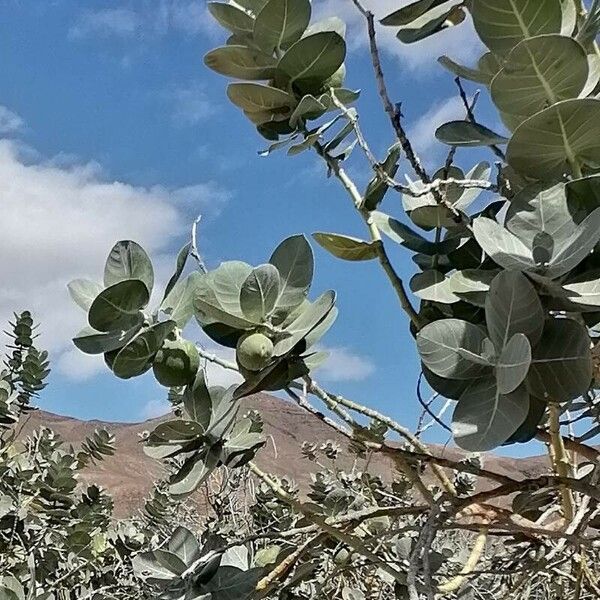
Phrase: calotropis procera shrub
(505, 304)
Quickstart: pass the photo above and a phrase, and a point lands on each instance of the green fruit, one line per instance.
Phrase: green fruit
(341, 557)
(176, 363)
(254, 351)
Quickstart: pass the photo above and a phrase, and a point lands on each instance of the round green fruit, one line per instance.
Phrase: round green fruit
(254, 351)
(176, 363)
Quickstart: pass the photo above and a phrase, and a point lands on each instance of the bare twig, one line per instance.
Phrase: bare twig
(194, 245)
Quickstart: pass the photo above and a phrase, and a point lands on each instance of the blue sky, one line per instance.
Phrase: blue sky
(112, 128)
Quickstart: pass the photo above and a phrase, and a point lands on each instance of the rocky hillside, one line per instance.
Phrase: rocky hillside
(129, 474)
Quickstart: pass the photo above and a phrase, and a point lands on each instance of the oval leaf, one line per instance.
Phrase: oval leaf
(280, 23)
(484, 418)
(314, 58)
(128, 260)
(451, 348)
(118, 306)
(467, 134)
(345, 247)
(513, 364)
(560, 139)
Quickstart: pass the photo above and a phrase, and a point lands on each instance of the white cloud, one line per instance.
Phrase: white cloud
(58, 223)
(460, 43)
(155, 408)
(189, 104)
(422, 132)
(106, 22)
(10, 122)
(345, 365)
(150, 19)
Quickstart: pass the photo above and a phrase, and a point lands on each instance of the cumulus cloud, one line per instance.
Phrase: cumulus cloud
(345, 365)
(10, 122)
(149, 19)
(422, 132)
(460, 42)
(106, 22)
(189, 104)
(58, 223)
(155, 408)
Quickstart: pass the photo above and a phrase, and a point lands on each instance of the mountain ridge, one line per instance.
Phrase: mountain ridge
(129, 474)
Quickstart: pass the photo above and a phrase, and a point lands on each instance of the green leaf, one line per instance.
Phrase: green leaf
(230, 583)
(281, 23)
(118, 306)
(540, 71)
(502, 24)
(561, 367)
(241, 62)
(513, 306)
(590, 28)
(259, 293)
(218, 296)
(83, 292)
(295, 263)
(433, 286)
(404, 235)
(136, 357)
(484, 418)
(481, 171)
(308, 319)
(411, 12)
(128, 260)
(182, 257)
(557, 140)
(451, 348)
(583, 194)
(378, 187)
(179, 304)
(308, 108)
(581, 243)
(541, 208)
(586, 291)
(148, 568)
(328, 24)
(467, 134)
(197, 401)
(513, 364)
(257, 97)
(176, 431)
(236, 20)
(431, 24)
(184, 544)
(504, 248)
(193, 473)
(346, 247)
(472, 285)
(468, 73)
(90, 341)
(314, 58)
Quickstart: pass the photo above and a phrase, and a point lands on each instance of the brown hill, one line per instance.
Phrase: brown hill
(128, 475)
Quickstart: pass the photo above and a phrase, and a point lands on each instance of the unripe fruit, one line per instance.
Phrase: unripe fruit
(176, 363)
(254, 351)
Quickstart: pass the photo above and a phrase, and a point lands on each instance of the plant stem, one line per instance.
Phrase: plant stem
(476, 553)
(560, 459)
(382, 255)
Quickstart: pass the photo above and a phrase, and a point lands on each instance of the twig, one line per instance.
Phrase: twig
(472, 119)
(194, 245)
(476, 552)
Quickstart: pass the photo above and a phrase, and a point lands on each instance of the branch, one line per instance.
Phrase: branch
(355, 543)
(469, 566)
